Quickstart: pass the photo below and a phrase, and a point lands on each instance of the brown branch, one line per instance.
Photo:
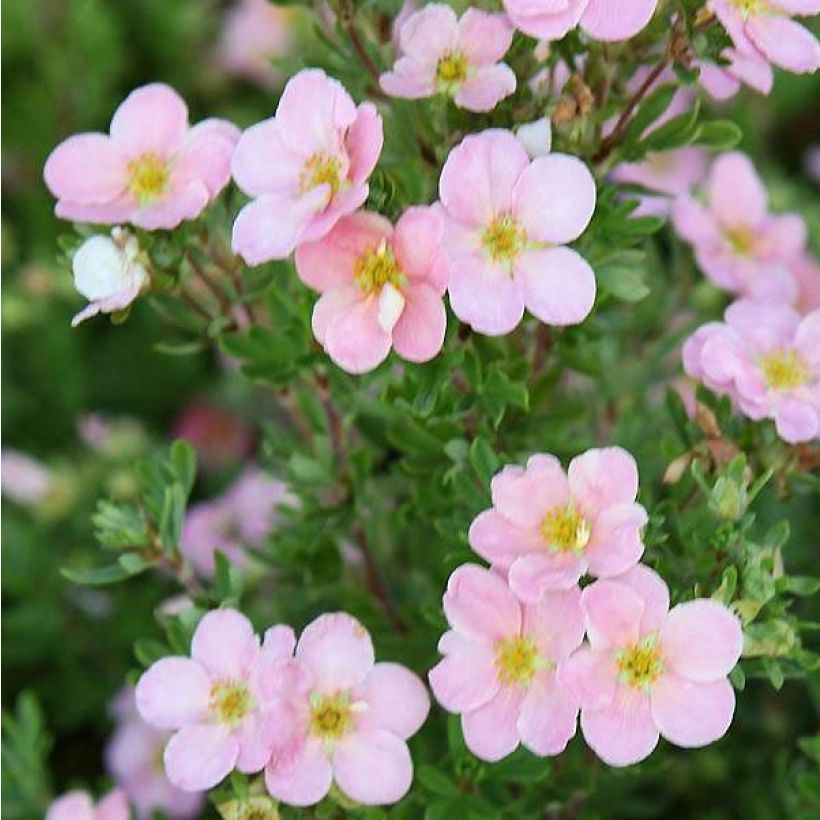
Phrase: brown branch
(349, 25)
(376, 584)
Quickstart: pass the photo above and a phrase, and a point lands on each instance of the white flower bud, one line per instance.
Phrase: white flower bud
(536, 137)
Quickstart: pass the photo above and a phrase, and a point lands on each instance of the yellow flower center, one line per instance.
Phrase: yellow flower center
(747, 7)
(451, 70)
(378, 268)
(565, 529)
(640, 665)
(230, 702)
(321, 169)
(741, 239)
(517, 661)
(148, 177)
(784, 370)
(503, 239)
(330, 716)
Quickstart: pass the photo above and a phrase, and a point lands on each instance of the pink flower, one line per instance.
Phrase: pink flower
(601, 19)
(255, 32)
(743, 250)
(805, 271)
(751, 68)
(765, 27)
(767, 359)
(507, 222)
(348, 719)
(650, 671)
(441, 54)
(134, 759)
(220, 438)
(153, 170)
(78, 805)
(500, 663)
(306, 167)
(214, 701)
(24, 479)
(547, 528)
(380, 287)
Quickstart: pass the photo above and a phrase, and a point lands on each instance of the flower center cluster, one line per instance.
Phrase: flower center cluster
(741, 239)
(230, 702)
(784, 370)
(320, 169)
(330, 716)
(378, 268)
(516, 660)
(451, 69)
(503, 239)
(565, 529)
(148, 177)
(640, 665)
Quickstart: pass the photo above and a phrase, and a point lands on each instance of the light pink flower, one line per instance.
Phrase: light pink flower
(306, 167)
(743, 250)
(605, 20)
(441, 54)
(766, 26)
(805, 271)
(349, 718)
(78, 805)
(507, 222)
(254, 33)
(723, 81)
(219, 437)
(380, 287)
(500, 663)
(24, 479)
(152, 170)
(133, 757)
(547, 528)
(766, 357)
(214, 701)
(649, 671)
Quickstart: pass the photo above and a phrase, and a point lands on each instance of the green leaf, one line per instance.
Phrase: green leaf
(678, 131)
(183, 463)
(718, 135)
(101, 576)
(652, 107)
(484, 460)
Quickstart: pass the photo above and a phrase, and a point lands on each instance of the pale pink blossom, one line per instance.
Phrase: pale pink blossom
(381, 287)
(547, 528)
(133, 757)
(78, 805)
(220, 438)
(305, 168)
(649, 671)
(766, 27)
(508, 220)
(805, 270)
(744, 250)
(152, 170)
(254, 33)
(766, 357)
(213, 701)
(748, 67)
(348, 719)
(500, 663)
(605, 20)
(442, 54)
(24, 479)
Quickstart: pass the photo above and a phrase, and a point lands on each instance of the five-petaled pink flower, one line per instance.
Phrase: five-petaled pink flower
(601, 19)
(547, 528)
(439, 53)
(500, 663)
(306, 167)
(745, 250)
(380, 287)
(214, 700)
(152, 170)
(650, 671)
(78, 805)
(507, 221)
(766, 357)
(765, 27)
(348, 718)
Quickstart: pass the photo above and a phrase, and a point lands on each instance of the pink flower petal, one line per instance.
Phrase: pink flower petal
(525, 495)
(615, 542)
(109, 213)
(410, 79)
(491, 731)
(499, 541)
(556, 622)
(333, 305)
(558, 285)
(533, 574)
(86, 169)
(591, 676)
(762, 327)
(76, 805)
(205, 155)
(785, 236)
(701, 640)
(114, 806)
(555, 198)
(396, 700)
(197, 757)
(486, 87)
(609, 20)
(602, 477)
(732, 175)
(547, 25)
(255, 738)
(787, 44)
(300, 774)
(613, 614)
(623, 733)
(807, 339)
(364, 142)
(338, 650)
(174, 207)
(692, 714)
(225, 644)
(692, 221)
(479, 605)
(797, 420)
(173, 692)
(373, 767)
(429, 33)
(355, 340)
(418, 246)
(653, 592)
(151, 119)
(262, 163)
(279, 641)
(466, 677)
(484, 38)
(548, 717)
(419, 333)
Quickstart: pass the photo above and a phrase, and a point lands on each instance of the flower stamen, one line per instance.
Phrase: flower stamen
(565, 529)
(148, 177)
